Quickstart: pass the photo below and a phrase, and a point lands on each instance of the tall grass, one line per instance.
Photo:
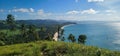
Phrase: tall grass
(50, 48)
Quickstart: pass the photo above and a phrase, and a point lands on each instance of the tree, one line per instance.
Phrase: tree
(23, 28)
(82, 39)
(43, 29)
(62, 32)
(11, 21)
(33, 34)
(24, 32)
(2, 43)
(48, 37)
(63, 39)
(32, 28)
(71, 38)
(2, 38)
(58, 29)
(98, 53)
(61, 35)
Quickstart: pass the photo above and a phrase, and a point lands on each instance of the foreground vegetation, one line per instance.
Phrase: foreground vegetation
(50, 48)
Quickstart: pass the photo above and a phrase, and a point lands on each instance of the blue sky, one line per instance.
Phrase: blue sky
(77, 10)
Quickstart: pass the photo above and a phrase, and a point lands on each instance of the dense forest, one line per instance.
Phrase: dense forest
(23, 31)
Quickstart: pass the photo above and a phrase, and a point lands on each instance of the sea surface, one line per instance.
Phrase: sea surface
(100, 34)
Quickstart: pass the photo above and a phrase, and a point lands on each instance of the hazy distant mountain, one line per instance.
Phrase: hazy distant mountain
(38, 23)
(43, 22)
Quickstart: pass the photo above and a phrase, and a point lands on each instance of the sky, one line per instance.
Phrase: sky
(73, 10)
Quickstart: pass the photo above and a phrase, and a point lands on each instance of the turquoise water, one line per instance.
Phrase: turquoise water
(103, 35)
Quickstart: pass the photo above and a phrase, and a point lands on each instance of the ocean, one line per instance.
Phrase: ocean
(100, 34)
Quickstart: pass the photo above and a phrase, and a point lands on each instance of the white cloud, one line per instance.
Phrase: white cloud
(76, 1)
(95, 0)
(9, 11)
(89, 11)
(20, 10)
(73, 12)
(110, 11)
(42, 13)
(111, 4)
(1, 10)
(23, 10)
(31, 10)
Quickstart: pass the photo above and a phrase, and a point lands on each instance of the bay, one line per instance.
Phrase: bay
(104, 35)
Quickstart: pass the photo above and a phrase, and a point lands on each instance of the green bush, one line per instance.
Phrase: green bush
(2, 43)
(61, 49)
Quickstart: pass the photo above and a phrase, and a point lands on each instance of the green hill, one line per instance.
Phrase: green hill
(51, 48)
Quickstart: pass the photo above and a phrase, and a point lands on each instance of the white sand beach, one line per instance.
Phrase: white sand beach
(55, 37)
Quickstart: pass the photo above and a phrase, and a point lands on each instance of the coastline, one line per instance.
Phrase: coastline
(66, 26)
(55, 37)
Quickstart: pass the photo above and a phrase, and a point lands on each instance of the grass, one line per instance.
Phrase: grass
(50, 48)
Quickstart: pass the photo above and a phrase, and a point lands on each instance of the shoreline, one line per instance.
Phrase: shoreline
(55, 37)
(66, 26)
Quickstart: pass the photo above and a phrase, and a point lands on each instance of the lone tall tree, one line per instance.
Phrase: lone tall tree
(82, 39)
(11, 21)
(24, 32)
(23, 28)
(58, 29)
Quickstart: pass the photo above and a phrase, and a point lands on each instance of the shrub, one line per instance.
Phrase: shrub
(2, 43)
(61, 49)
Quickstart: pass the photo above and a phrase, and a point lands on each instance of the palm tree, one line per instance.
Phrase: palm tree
(71, 38)
(82, 39)
(11, 21)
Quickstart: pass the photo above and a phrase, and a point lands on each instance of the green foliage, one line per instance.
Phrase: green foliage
(63, 39)
(98, 53)
(82, 39)
(42, 29)
(58, 30)
(60, 49)
(71, 37)
(2, 43)
(11, 21)
(24, 34)
(23, 28)
(50, 48)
